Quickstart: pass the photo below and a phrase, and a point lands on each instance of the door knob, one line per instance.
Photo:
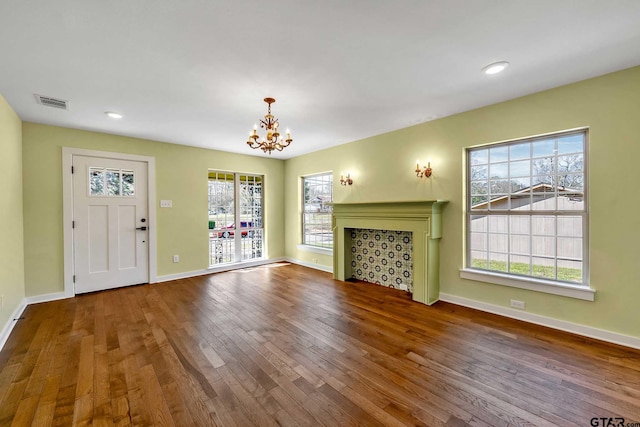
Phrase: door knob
(141, 228)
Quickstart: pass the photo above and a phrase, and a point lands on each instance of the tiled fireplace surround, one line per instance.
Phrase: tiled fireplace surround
(422, 220)
(383, 257)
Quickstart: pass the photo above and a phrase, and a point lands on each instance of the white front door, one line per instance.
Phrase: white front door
(110, 223)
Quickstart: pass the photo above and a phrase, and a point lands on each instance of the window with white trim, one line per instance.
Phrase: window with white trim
(317, 198)
(527, 208)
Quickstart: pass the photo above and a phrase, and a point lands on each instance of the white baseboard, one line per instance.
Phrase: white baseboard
(310, 265)
(574, 328)
(185, 275)
(47, 297)
(8, 327)
(226, 267)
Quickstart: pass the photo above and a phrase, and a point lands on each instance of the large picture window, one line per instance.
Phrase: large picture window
(527, 208)
(236, 230)
(317, 196)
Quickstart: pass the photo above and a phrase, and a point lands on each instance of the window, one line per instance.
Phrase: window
(110, 182)
(317, 196)
(230, 193)
(527, 208)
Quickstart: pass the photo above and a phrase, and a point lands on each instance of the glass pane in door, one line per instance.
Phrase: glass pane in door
(221, 218)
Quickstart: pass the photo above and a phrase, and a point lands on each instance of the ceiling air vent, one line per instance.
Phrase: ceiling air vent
(52, 102)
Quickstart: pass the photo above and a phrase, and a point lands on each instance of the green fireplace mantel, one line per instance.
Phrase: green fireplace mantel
(422, 218)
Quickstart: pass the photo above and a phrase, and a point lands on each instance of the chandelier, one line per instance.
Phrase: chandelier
(273, 139)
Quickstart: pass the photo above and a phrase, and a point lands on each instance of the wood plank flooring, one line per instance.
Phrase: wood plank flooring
(287, 345)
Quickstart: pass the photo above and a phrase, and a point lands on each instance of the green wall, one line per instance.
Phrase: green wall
(181, 176)
(12, 287)
(382, 169)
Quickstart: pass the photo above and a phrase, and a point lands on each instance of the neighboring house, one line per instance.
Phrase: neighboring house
(530, 237)
(539, 197)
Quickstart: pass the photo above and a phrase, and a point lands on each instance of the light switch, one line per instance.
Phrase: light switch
(166, 203)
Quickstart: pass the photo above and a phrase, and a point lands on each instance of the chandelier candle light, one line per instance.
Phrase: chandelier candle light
(273, 140)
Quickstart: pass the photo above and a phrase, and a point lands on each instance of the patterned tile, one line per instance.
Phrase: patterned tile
(383, 257)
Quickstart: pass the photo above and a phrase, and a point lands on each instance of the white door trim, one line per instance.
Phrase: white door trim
(67, 208)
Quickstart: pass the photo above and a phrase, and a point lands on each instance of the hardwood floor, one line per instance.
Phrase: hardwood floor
(287, 345)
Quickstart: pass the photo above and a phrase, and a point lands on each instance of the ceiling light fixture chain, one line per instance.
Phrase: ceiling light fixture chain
(273, 140)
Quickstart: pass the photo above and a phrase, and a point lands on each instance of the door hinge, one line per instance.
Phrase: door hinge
(73, 224)
(72, 169)
(74, 278)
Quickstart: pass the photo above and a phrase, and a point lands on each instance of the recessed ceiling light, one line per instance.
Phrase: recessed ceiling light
(495, 68)
(113, 115)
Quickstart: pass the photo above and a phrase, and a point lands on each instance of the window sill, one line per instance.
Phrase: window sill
(532, 284)
(315, 249)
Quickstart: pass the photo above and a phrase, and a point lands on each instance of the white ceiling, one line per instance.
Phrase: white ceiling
(195, 72)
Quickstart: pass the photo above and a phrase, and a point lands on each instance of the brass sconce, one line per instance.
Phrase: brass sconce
(347, 180)
(424, 171)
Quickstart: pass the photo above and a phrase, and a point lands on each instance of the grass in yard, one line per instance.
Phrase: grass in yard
(564, 274)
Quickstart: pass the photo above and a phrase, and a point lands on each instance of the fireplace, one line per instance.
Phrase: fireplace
(423, 220)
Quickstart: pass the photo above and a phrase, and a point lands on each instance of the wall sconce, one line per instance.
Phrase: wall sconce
(347, 180)
(424, 171)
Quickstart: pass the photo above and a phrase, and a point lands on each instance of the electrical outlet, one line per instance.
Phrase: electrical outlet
(517, 304)
(176, 258)
(403, 287)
